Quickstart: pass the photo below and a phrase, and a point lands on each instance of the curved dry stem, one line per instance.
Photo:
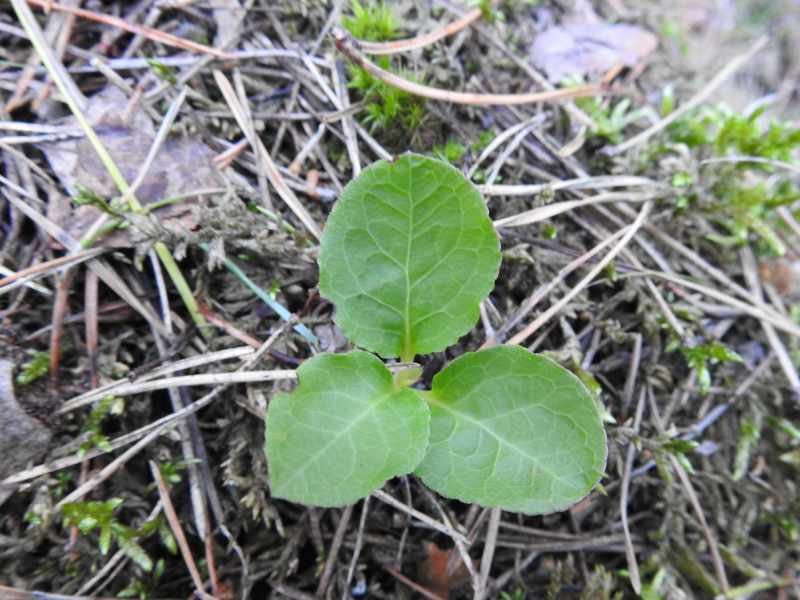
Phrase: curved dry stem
(397, 46)
(344, 43)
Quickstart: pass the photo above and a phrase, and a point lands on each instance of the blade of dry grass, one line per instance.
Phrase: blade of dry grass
(630, 231)
(275, 178)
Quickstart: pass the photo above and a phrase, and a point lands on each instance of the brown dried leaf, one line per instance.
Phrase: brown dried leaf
(587, 49)
(181, 165)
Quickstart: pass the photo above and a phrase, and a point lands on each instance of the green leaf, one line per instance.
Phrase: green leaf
(512, 429)
(35, 368)
(407, 255)
(134, 551)
(344, 431)
(105, 539)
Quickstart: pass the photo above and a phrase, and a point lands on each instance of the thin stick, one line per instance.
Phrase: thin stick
(189, 436)
(412, 584)
(26, 281)
(357, 550)
(159, 426)
(750, 271)
(488, 552)
(139, 387)
(177, 530)
(333, 553)
(551, 210)
(719, 567)
(696, 100)
(542, 291)
(60, 307)
(269, 166)
(445, 529)
(579, 183)
(757, 312)
(345, 46)
(180, 365)
(536, 120)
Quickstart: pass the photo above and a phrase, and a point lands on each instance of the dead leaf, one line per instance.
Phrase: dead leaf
(181, 165)
(587, 49)
(22, 438)
(443, 571)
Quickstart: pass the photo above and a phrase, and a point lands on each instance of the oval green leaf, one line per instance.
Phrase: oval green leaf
(514, 430)
(407, 255)
(343, 432)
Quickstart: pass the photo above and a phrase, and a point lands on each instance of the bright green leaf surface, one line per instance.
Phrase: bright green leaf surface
(407, 255)
(344, 431)
(512, 429)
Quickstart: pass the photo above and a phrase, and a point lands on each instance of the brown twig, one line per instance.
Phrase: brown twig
(40, 268)
(153, 34)
(227, 327)
(344, 43)
(177, 530)
(60, 307)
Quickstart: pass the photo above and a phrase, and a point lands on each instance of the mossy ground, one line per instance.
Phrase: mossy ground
(701, 368)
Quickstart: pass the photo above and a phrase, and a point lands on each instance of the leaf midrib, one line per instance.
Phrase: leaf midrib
(407, 353)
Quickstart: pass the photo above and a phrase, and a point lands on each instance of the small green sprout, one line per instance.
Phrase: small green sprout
(611, 118)
(95, 438)
(372, 21)
(35, 368)
(102, 515)
(162, 71)
(484, 139)
(451, 152)
(408, 254)
(700, 356)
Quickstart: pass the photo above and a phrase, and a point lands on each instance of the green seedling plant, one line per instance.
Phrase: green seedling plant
(407, 256)
(746, 171)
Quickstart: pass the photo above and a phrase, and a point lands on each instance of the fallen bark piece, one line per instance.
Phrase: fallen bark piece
(22, 438)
